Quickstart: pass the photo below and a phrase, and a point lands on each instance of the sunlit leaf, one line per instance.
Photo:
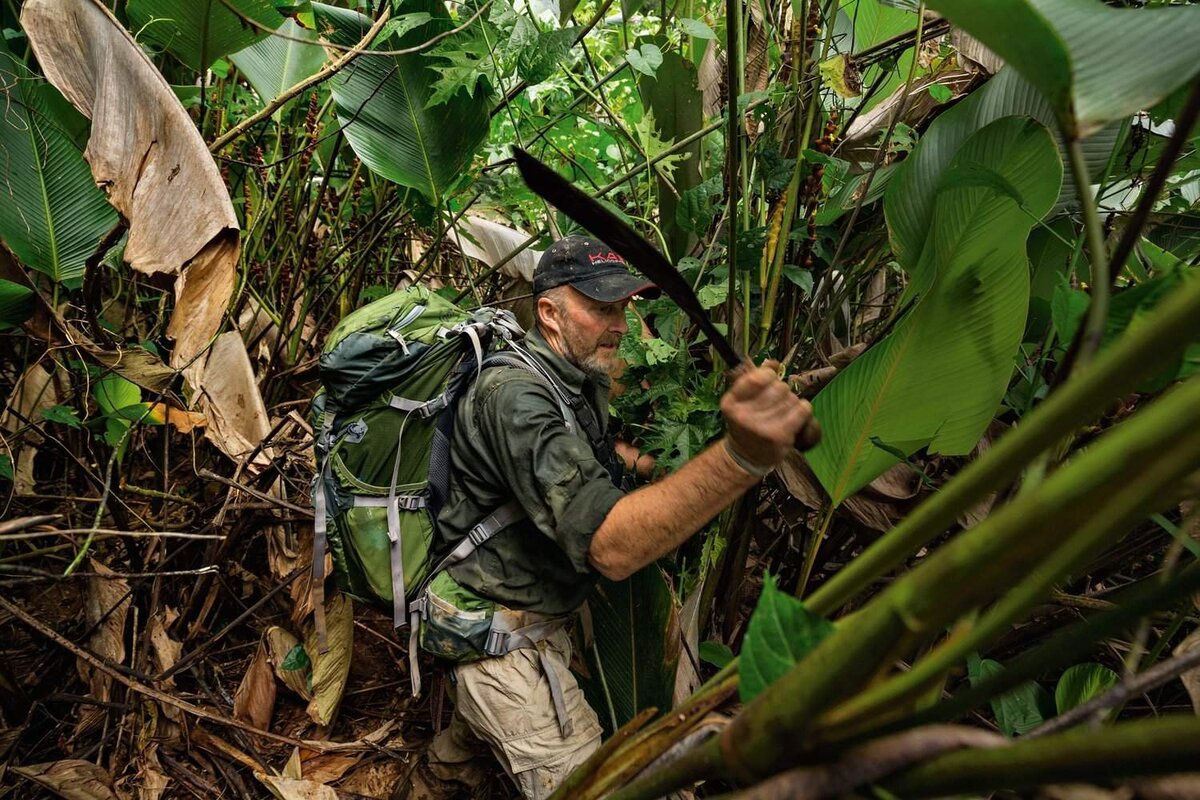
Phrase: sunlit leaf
(1081, 683)
(279, 62)
(780, 634)
(936, 380)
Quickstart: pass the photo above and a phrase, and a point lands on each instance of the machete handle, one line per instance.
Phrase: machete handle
(809, 436)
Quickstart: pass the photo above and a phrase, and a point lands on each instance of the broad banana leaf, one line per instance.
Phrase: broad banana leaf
(381, 102)
(279, 62)
(54, 216)
(936, 380)
(1094, 64)
(632, 665)
(911, 193)
(198, 32)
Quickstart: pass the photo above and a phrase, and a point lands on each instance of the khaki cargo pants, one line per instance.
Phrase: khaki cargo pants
(504, 703)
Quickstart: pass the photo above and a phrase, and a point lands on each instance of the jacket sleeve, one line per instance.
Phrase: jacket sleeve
(565, 491)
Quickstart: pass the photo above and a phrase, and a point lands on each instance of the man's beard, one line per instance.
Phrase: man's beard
(590, 359)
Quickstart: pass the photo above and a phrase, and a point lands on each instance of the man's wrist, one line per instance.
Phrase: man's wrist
(756, 471)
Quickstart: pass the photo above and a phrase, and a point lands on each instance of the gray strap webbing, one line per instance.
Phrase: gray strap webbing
(404, 502)
(317, 587)
(392, 507)
(320, 534)
(426, 408)
(488, 527)
(416, 610)
(501, 642)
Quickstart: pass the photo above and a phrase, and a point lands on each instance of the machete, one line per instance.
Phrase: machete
(634, 248)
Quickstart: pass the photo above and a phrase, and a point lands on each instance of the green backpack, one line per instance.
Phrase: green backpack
(391, 373)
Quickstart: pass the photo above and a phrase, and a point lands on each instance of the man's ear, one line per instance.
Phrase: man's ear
(545, 312)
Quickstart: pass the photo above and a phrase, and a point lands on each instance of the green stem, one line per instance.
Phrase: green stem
(1144, 747)
(1100, 282)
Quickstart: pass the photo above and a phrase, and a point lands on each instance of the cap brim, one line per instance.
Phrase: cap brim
(615, 287)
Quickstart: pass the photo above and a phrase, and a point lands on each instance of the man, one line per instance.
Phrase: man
(513, 440)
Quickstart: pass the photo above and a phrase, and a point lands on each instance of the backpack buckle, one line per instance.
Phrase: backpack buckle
(496, 642)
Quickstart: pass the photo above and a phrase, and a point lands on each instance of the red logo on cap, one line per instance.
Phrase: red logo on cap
(609, 256)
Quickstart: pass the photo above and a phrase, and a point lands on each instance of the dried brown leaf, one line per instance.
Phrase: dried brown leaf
(711, 78)
(293, 789)
(150, 782)
(331, 668)
(803, 485)
(147, 153)
(231, 401)
(901, 482)
(973, 54)
(378, 779)
(166, 651)
(863, 136)
(254, 700)
(107, 610)
(328, 767)
(72, 779)
(179, 419)
(1191, 678)
(487, 241)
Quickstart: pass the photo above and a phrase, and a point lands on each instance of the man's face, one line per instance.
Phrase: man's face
(591, 331)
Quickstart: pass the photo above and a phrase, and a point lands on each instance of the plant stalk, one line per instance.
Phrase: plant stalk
(1097, 316)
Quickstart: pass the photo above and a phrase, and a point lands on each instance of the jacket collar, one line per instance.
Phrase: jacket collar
(571, 376)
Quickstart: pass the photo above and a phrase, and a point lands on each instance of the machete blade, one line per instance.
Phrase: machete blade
(618, 235)
(642, 255)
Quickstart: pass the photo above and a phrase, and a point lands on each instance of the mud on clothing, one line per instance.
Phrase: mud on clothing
(511, 441)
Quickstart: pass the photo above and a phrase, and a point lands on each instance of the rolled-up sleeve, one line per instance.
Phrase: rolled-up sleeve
(565, 491)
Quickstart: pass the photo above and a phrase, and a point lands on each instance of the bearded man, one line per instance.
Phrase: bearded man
(532, 456)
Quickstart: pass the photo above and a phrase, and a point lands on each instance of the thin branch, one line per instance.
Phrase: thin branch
(324, 73)
(417, 48)
(266, 498)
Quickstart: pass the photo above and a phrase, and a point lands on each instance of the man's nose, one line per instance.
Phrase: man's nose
(619, 325)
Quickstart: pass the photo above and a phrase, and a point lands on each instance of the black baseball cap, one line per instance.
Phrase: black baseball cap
(590, 266)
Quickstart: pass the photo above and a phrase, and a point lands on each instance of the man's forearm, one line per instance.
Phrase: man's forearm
(652, 521)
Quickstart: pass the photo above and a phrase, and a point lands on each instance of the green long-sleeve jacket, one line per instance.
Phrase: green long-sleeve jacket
(510, 440)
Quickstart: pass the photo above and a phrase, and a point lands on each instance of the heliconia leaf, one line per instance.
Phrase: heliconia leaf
(936, 380)
(16, 304)
(198, 32)
(279, 62)
(1093, 63)
(381, 105)
(54, 215)
(780, 634)
(632, 666)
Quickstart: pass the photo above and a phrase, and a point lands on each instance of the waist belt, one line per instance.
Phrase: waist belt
(508, 631)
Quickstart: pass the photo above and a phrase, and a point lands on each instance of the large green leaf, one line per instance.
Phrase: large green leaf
(198, 32)
(935, 381)
(911, 193)
(53, 215)
(1019, 710)
(1093, 63)
(632, 666)
(381, 105)
(780, 634)
(674, 97)
(280, 62)
(16, 304)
